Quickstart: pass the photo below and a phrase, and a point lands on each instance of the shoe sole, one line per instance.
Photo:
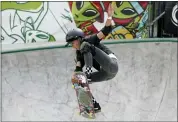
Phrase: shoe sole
(96, 111)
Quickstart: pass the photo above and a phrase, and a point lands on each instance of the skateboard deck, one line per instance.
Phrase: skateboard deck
(84, 95)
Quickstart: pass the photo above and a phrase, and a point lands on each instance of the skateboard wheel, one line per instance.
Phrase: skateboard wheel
(79, 113)
(73, 86)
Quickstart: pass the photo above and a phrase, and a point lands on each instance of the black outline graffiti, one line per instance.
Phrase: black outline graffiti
(57, 21)
(16, 17)
(174, 20)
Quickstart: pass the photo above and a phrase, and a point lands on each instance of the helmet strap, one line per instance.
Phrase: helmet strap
(80, 39)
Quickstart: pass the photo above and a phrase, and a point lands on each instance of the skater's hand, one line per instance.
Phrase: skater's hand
(108, 23)
(73, 75)
(110, 10)
(74, 78)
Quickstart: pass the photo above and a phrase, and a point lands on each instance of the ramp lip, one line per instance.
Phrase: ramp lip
(53, 45)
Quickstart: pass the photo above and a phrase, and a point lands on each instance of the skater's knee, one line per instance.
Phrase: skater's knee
(114, 67)
(87, 47)
(110, 76)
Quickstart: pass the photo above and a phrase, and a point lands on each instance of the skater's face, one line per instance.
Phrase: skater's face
(76, 44)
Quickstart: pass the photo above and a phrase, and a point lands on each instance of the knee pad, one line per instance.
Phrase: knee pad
(87, 47)
(110, 76)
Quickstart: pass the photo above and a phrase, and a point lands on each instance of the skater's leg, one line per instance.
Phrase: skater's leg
(101, 75)
(88, 58)
(98, 75)
(106, 62)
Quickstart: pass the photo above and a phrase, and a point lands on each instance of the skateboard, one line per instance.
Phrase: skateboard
(84, 96)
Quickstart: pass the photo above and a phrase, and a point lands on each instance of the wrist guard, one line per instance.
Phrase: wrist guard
(106, 30)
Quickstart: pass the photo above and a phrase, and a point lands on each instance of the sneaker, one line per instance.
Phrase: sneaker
(97, 107)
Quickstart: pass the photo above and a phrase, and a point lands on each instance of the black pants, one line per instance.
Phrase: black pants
(109, 65)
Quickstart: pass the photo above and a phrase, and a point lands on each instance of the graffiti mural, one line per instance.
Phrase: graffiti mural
(170, 26)
(30, 22)
(129, 18)
(174, 14)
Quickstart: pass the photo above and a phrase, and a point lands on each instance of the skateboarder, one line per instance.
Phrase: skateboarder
(92, 54)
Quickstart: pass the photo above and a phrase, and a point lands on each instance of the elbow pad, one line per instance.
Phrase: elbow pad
(106, 30)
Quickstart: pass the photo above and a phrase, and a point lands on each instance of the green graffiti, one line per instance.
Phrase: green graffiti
(27, 6)
(41, 36)
(38, 36)
(84, 11)
(52, 39)
(128, 17)
(66, 15)
(29, 26)
(123, 10)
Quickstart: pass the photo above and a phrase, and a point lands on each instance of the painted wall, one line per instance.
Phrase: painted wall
(171, 18)
(129, 18)
(30, 22)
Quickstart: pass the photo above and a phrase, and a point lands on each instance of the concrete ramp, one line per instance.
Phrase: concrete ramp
(36, 85)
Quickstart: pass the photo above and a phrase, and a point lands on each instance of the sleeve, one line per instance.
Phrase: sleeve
(105, 49)
(93, 39)
(78, 59)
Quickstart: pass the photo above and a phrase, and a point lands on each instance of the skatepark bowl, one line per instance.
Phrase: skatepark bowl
(36, 84)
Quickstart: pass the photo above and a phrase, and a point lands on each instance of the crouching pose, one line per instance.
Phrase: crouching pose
(93, 54)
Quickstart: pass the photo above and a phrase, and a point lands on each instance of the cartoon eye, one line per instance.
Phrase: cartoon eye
(118, 4)
(79, 4)
(2, 38)
(30, 34)
(33, 40)
(89, 13)
(41, 36)
(128, 11)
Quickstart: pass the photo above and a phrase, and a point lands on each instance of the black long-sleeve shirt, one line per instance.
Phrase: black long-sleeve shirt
(93, 39)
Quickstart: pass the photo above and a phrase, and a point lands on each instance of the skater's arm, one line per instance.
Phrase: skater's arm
(78, 62)
(96, 38)
(108, 25)
(78, 66)
(106, 29)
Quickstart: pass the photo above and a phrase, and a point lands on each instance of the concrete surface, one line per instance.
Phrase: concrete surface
(0, 85)
(36, 85)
